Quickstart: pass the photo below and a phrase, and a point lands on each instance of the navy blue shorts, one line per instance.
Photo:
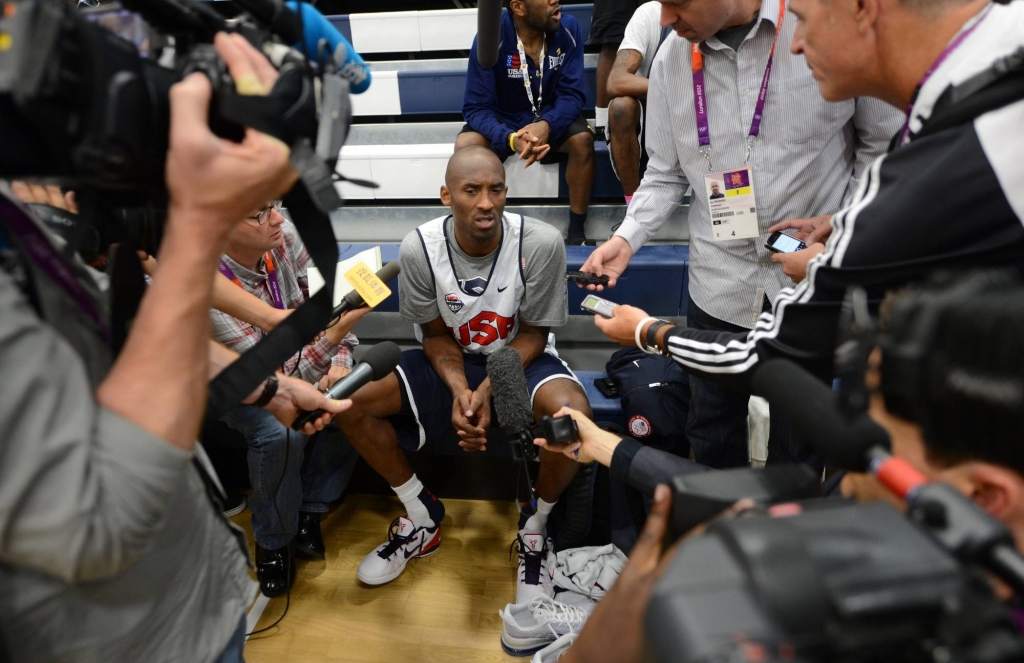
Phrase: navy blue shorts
(427, 403)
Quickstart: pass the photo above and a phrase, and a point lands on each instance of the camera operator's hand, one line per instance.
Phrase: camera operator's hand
(294, 395)
(471, 415)
(610, 259)
(212, 182)
(794, 265)
(593, 443)
(614, 632)
(621, 327)
(45, 194)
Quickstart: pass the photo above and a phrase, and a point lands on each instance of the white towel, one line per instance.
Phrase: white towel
(590, 571)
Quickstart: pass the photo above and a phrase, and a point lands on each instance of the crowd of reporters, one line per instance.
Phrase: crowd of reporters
(113, 544)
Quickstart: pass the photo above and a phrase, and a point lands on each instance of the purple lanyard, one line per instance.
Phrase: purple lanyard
(47, 259)
(953, 45)
(700, 100)
(275, 287)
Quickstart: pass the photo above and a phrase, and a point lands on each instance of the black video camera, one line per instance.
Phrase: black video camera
(556, 430)
(82, 106)
(828, 581)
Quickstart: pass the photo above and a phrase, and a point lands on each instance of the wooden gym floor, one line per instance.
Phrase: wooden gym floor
(443, 608)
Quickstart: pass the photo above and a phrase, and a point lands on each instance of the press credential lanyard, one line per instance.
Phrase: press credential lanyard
(700, 101)
(275, 287)
(525, 68)
(953, 45)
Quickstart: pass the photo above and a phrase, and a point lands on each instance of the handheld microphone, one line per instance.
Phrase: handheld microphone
(488, 32)
(301, 24)
(353, 300)
(509, 390)
(512, 405)
(379, 361)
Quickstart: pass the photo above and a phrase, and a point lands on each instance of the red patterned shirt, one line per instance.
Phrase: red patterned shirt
(290, 261)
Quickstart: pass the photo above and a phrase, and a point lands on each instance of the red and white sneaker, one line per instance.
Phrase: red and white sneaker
(536, 567)
(405, 542)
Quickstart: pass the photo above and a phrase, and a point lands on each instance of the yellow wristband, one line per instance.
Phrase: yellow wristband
(511, 145)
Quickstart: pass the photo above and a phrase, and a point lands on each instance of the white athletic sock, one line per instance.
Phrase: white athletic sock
(409, 493)
(600, 117)
(538, 522)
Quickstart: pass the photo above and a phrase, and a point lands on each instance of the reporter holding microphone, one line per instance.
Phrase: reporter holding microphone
(294, 477)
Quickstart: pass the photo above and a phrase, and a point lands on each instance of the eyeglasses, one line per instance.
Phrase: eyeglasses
(263, 215)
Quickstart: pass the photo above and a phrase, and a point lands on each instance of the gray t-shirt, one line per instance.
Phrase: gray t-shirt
(545, 302)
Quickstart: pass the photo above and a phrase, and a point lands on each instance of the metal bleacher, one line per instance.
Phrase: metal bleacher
(403, 134)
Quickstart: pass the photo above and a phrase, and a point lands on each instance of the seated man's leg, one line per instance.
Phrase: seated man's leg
(275, 458)
(369, 427)
(578, 143)
(469, 137)
(623, 129)
(326, 470)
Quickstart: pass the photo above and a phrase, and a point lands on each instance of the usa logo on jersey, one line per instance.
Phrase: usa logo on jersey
(476, 285)
(454, 303)
(513, 61)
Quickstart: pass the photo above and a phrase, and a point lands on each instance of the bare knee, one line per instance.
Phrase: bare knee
(624, 115)
(553, 395)
(581, 146)
(470, 138)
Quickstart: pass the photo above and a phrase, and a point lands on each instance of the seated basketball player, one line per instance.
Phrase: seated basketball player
(474, 281)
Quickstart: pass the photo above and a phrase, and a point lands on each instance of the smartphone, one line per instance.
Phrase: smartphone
(586, 278)
(780, 242)
(607, 387)
(594, 304)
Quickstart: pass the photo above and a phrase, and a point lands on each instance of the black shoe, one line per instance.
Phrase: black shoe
(272, 570)
(309, 542)
(579, 241)
(234, 505)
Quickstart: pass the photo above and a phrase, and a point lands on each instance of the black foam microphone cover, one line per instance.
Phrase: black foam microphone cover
(488, 32)
(810, 407)
(509, 390)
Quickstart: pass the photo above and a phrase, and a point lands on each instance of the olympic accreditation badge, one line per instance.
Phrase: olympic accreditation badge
(730, 196)
(366, 283)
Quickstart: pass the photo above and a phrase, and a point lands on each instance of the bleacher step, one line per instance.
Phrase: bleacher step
(391, 223)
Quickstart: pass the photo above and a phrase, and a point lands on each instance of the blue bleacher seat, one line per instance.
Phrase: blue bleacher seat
(655, 281)
(424, 31)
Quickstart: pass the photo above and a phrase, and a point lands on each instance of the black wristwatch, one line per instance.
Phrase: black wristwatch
(269, 391)
(650, 341)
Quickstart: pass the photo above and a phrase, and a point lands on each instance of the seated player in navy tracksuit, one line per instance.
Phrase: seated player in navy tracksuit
(541, 120)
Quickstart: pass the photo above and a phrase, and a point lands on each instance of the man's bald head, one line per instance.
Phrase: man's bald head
(473, 161)
(474, 189)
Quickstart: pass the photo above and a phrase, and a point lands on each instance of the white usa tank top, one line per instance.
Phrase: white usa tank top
(482, 315)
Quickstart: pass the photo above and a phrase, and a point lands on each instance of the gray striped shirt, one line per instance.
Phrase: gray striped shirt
(805, 163)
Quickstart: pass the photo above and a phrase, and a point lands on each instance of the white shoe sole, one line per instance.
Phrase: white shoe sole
(383, 580)
(523, 646)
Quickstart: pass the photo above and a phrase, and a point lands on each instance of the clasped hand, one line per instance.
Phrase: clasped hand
(531, 142)
(471, 416)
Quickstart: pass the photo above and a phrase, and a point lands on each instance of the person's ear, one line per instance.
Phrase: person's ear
(865, 13)
(996, 489)
(446, 196)
(517, 7)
